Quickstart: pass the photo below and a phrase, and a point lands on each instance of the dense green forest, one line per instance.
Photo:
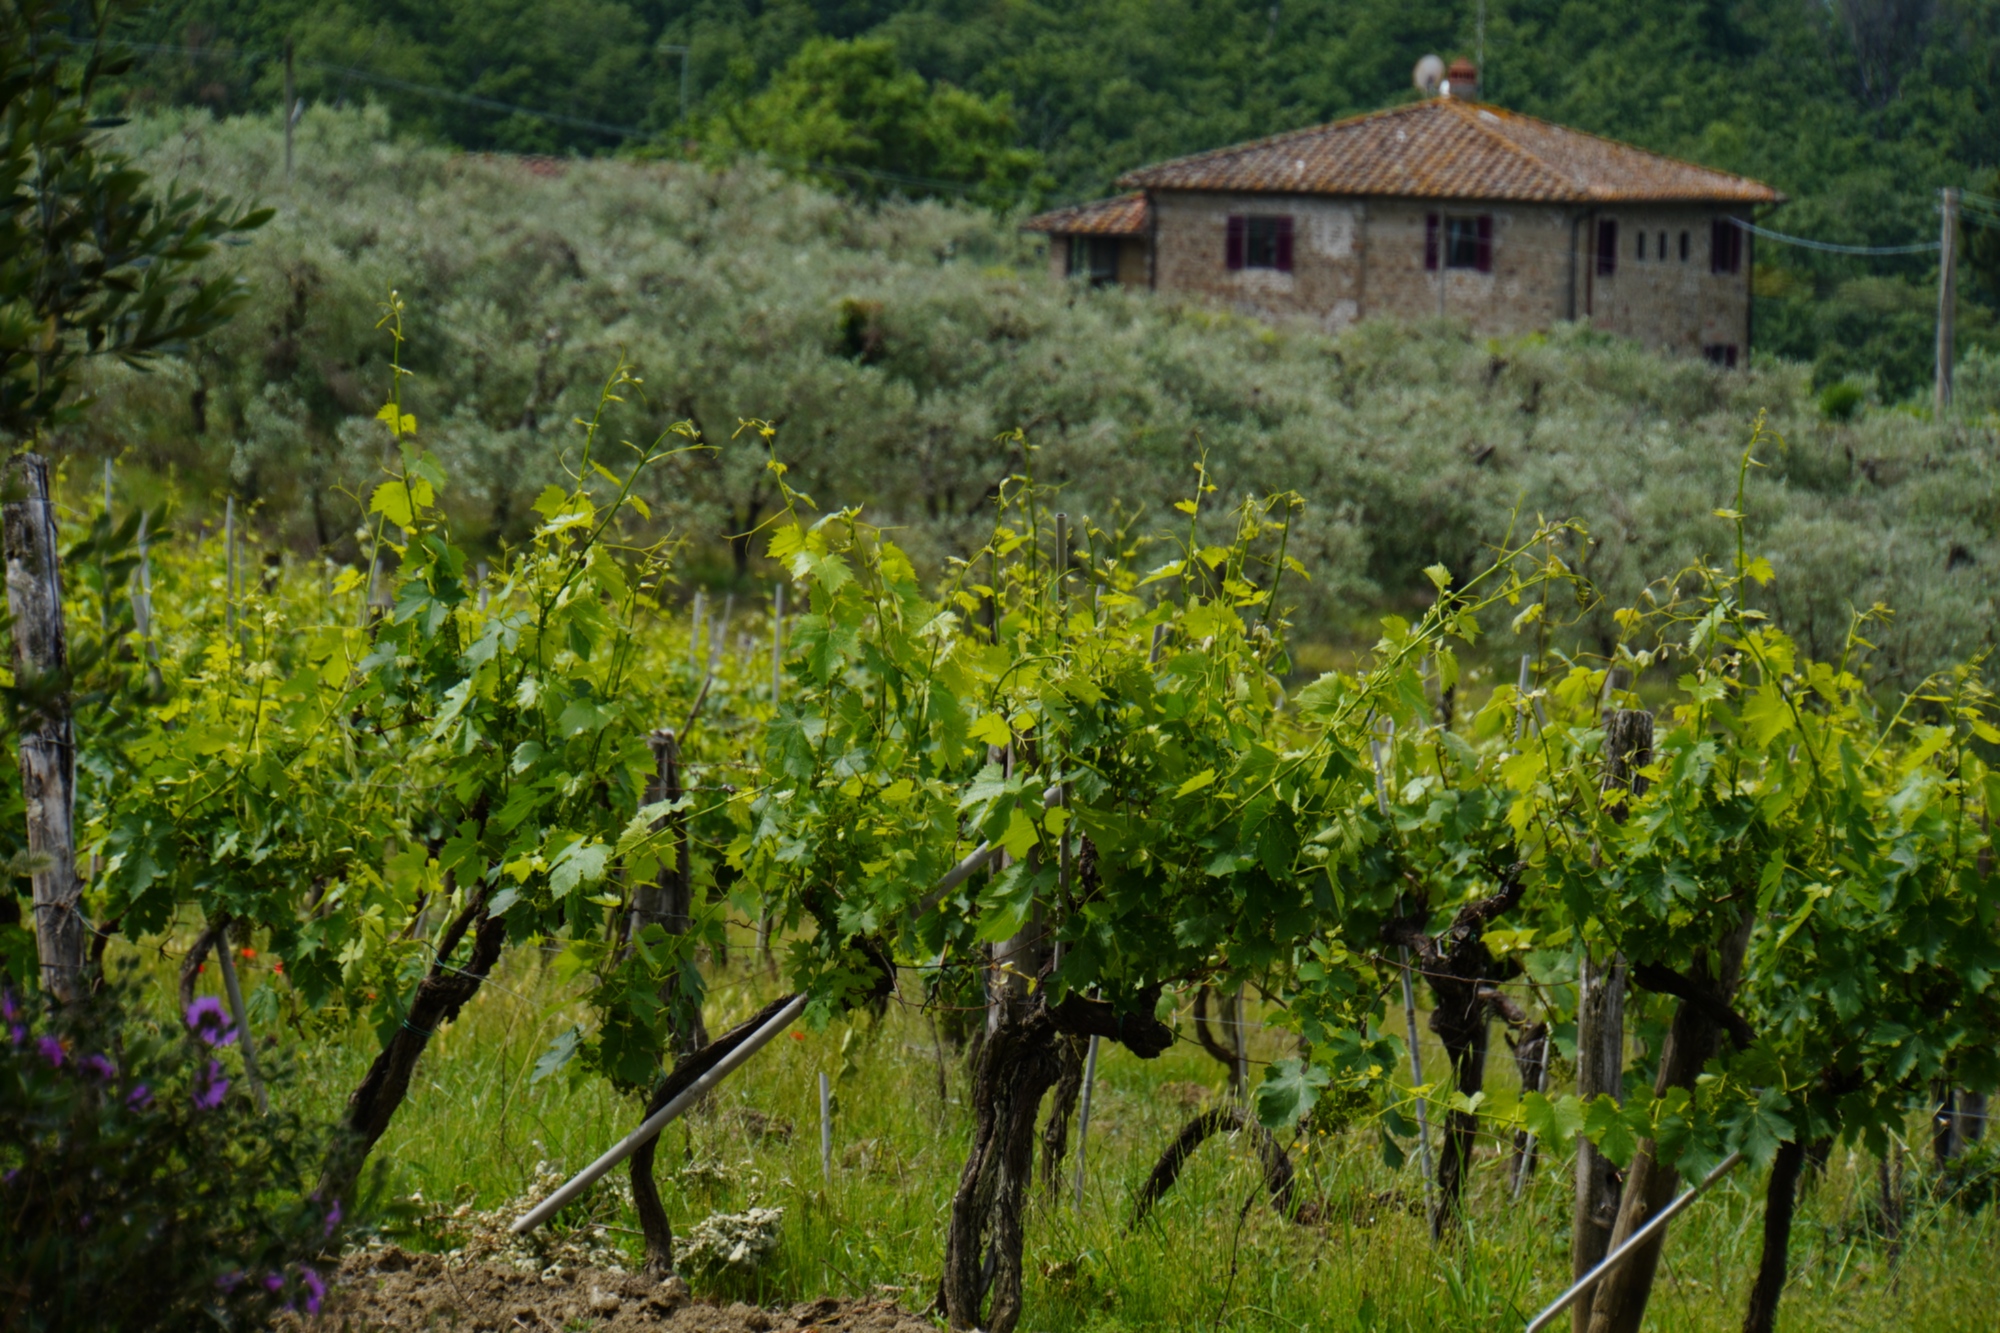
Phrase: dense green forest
(1858, 109)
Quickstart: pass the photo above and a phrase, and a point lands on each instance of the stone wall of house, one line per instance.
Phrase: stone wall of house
(1528, 287)
(1355, 258)
(1133, 268)
(1669, 303)
(1133, 271)
(1325, 281)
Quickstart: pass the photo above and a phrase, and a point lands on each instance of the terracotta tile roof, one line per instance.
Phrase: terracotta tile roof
(1448, 148)
(1123, 216)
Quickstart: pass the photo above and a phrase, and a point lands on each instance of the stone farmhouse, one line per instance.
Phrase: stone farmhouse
(1444, 207)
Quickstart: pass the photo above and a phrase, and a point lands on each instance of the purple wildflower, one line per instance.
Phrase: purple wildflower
(51, 1050)
(275, 1282)
(315, 1289)
(98, 1067)
(332, 1218)
(9, 1010)
(18, 1033)
(231, 1280)
(140, 1098)
(210, 1088)
(206, 1019)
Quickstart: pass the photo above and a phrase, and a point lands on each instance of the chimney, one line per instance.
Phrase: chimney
(1462, 80)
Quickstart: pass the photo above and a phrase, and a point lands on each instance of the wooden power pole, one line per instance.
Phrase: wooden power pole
(288, 110)
(1947, 296)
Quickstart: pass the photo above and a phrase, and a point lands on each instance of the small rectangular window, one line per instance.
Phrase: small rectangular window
(1267, 243)
(1607, 247)
(1460, 242)
(1661, 253)
(1725, 253)
(1721, 354)
(1260, 241)
(1684, 247)
(1642, 245)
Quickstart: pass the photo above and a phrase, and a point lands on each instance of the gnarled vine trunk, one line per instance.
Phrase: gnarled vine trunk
(1020, 1060)
(445, 990)
(1457, 966)
(1780, 1199)
(1700, 1019)
(1277, 1163)
(653, 1224)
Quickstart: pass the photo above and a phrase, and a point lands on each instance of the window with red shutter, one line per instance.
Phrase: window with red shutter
(1607, 247)
(1483, 249)
(1431, 225)
(1233, 247)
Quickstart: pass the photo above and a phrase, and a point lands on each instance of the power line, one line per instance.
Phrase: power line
(405, 85)
(1915, 248)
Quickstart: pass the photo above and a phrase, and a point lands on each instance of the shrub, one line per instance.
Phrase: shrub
(1839, 402)
(141, 1188)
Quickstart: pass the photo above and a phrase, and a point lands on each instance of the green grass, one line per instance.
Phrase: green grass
(476, 1124)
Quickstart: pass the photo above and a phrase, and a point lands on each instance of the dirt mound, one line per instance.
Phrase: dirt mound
(394, 1289)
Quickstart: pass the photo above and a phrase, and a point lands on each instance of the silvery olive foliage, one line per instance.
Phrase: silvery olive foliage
(894, 347)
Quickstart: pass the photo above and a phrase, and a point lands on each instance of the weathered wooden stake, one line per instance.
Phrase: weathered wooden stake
(825, 1128)
(236, 1010)
(1083, 1115)
(1380, 752)
(48, 734)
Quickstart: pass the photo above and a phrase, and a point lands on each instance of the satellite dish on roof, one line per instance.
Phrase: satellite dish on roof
(1428, 74)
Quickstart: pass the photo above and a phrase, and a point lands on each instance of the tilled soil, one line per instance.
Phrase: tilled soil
(394, 1289)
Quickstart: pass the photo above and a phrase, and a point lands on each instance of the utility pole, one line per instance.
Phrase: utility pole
(287, 112)
(682, 52)
(1479, 58)
(1947, 296)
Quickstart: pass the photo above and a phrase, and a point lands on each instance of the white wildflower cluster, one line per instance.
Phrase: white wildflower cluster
(730, 1242)
(482, 1236)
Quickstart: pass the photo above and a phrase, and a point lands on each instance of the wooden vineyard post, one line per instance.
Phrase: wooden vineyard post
(669, 900)
(1381, 754)
(1600, 1027)
(234, 989)
(825, 1128)
(48, 733)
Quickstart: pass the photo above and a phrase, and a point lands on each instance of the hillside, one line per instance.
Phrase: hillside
(894, 348)
(1858, 109)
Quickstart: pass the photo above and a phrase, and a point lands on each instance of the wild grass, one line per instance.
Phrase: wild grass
(477, 1122)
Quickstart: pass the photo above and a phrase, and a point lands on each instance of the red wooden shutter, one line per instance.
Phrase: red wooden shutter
(1431, 225)
(1284, 246)
(1233, 247)
(1482, 255)
(1607, 247)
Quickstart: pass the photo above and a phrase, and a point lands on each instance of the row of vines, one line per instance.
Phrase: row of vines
(1073, 782)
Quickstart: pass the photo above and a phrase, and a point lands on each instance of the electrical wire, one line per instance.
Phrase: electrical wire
(1829, 247)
